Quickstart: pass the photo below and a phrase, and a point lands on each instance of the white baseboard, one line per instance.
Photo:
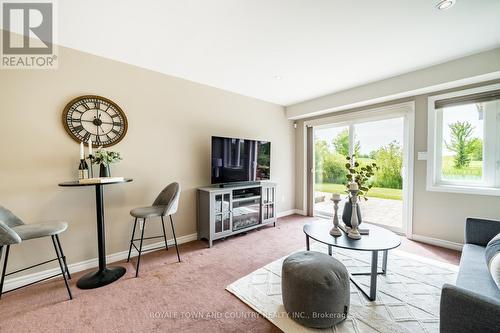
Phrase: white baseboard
(437, 242)
(286, 213)
(16, 282)
(291, 212)
(300, 212)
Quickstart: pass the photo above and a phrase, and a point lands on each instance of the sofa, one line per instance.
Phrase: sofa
(473, 304)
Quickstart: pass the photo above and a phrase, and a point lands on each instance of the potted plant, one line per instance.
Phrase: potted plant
(362, 176)
(104, 158)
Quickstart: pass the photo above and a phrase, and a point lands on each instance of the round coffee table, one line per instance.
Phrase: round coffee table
(379, 239)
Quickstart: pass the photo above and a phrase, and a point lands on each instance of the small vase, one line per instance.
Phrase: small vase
(346, 214)
(104, 170)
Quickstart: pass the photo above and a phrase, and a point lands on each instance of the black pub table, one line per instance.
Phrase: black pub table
(104, 275)
(379, 240)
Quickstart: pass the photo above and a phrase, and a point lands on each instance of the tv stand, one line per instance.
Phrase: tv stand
(237, 184)
(227, 211)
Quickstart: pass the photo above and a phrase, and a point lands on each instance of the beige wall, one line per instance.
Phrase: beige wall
(435, 214)
(170, 124)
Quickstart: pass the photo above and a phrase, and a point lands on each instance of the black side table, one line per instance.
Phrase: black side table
(379, 240)
(104, 275)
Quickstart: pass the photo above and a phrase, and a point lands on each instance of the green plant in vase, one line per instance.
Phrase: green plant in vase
(104, 158)
(362, 175)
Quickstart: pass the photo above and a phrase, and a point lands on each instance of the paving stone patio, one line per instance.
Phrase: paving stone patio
(381, 211)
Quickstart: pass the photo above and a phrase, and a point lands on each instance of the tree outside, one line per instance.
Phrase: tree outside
(461, 143)
(341, 143)
(462, 154)
(330, 175)
(462, 157)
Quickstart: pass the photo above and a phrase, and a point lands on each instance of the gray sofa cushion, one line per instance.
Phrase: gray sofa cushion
(474, 274)
(492, 254)
(480, 231)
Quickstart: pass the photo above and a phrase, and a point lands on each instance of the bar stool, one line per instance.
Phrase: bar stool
(15, 231)
(165, 205)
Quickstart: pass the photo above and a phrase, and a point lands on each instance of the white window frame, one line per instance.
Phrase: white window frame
(490, 185)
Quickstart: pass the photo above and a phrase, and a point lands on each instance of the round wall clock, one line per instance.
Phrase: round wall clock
(96, 118)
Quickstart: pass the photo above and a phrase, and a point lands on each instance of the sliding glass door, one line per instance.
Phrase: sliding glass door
(331, 147)
(380, 140)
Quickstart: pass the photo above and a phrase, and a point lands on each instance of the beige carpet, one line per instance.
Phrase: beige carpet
(196, 285)
(407, 297)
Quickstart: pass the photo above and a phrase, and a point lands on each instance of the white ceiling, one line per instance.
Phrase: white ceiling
(316, 46)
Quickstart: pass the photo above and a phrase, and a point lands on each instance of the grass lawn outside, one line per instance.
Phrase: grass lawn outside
(365, 161)
(375, 192)
(473, 172)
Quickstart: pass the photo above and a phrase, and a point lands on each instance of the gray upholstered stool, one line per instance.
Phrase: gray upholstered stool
(315, 289)
(165, 205)
(14, 231)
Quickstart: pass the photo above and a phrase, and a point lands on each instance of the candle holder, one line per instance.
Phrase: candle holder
(335, 231)
(91, 167)
(354, 232)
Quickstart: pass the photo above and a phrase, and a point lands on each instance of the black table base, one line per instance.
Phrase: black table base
(100, 278)
(379, 240)
(372, 293)
(104, 275)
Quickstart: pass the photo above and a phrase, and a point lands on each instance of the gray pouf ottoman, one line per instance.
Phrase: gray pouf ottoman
(315, 289)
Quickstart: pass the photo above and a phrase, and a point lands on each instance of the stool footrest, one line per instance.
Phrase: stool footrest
(143, 251)
(33, 266)
(29, 284)
(153, 237)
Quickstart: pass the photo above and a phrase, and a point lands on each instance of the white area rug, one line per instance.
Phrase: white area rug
(407, 297)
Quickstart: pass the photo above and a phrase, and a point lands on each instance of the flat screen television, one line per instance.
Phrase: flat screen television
(240, 160)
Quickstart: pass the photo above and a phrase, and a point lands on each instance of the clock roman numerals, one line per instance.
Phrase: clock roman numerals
(95, 118)
(70, 119)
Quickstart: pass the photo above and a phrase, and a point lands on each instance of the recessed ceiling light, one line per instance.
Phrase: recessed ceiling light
(277, 77)
(445, 4)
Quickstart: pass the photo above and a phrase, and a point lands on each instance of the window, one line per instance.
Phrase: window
(464, 141)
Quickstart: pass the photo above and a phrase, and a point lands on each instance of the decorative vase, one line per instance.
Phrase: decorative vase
(347, 213)
(104, 170)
